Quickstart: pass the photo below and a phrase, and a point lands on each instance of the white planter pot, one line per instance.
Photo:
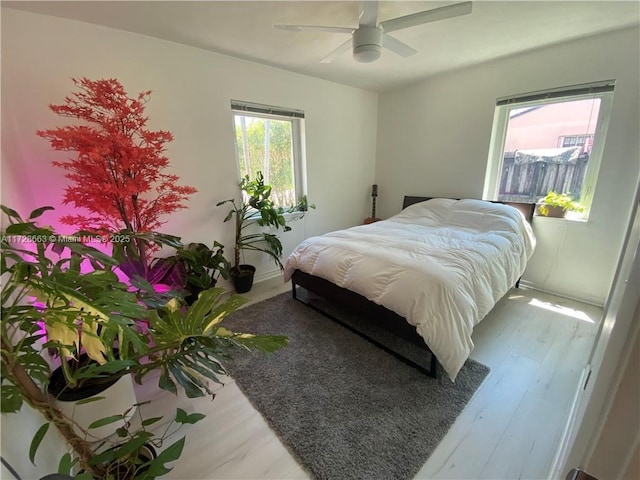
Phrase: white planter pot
(118, 398)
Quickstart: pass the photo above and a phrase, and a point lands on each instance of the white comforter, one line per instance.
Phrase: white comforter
(441, 264)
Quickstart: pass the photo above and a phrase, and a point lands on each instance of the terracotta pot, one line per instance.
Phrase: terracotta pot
(555, 212)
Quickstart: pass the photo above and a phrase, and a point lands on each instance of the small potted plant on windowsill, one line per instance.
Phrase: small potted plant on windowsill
(256, 208)
(557, 205)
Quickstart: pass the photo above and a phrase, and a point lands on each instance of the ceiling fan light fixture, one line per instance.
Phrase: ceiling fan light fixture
(369, 37)
(367, 44)
(367, 53)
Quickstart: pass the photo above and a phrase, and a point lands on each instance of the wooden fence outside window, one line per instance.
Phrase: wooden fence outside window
(528, 182)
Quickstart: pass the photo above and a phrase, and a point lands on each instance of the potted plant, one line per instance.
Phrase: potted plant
(203, 266)
(256, 208)
(117, 154)
(118, 178)
(557, 204)
(190, 270)
(84, 308)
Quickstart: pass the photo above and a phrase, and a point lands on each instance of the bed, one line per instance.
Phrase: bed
(429, 273)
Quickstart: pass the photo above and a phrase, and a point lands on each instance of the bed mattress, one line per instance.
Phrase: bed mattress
(441, 264)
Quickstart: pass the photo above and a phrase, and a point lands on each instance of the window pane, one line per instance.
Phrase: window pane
(547, 147)
(266, 145)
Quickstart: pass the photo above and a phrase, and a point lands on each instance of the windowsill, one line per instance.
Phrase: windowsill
(581, 220)
(296, 215)
(287, 215)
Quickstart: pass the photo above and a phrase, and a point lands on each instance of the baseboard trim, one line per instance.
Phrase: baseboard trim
(562, 452)
(589, 300)
(259, 279)
(268, 275)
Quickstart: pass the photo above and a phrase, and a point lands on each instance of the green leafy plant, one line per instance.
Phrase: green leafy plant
(203, 266)
(560, 200)
(256, 208)
(190, 270)
(133, 451)
(83, 307)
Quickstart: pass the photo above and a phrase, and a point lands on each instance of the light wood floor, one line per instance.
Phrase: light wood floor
(536, 345)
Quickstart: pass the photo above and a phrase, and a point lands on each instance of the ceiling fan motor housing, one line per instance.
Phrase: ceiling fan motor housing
(367, 44)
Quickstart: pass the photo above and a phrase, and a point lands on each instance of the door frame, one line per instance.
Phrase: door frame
(598, 385)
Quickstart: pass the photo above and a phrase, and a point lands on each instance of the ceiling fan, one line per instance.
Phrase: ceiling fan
(369, 36)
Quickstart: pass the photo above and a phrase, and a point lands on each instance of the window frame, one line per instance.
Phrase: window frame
(499, 135)
(296, 118)
(579, 136)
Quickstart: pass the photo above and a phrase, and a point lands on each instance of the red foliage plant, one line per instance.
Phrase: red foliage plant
(117, 173)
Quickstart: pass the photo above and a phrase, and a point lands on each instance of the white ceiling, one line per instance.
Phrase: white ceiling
(245, 29)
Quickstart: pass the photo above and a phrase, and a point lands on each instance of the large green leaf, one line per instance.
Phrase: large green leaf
(195, 344)
(192, 365)
(157, 467)
(165, 382)
(185, 418)
(266, 343)
(11, 213)
(105, 421)
(34, 364)
(90, 400)
(65, 465)
(37, 439)
(94, 370)
(150, 421)
(209, 310)
(172, 328)
(126, 448)
(39, 211)
(11, 399)
(192, 385)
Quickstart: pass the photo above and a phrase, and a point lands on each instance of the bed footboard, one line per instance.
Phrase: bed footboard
(384, 318)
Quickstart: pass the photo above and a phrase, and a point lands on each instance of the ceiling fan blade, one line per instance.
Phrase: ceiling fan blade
(314, 28)
(426, 16)
(368, 13)
(396, 46)
(337, 52)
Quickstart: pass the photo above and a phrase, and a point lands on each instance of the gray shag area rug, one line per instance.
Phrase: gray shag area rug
(344, 408)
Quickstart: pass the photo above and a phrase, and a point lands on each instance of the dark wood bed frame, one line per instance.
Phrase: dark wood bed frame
(378, 314)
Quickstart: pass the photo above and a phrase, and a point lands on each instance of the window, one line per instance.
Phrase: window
(270, 140)
(548, 141)
(584, 141)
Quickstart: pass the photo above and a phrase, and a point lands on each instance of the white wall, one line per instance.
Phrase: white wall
(17, 431)
(192, 89)
(601, 410)
(433, 139)
(619, 438)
